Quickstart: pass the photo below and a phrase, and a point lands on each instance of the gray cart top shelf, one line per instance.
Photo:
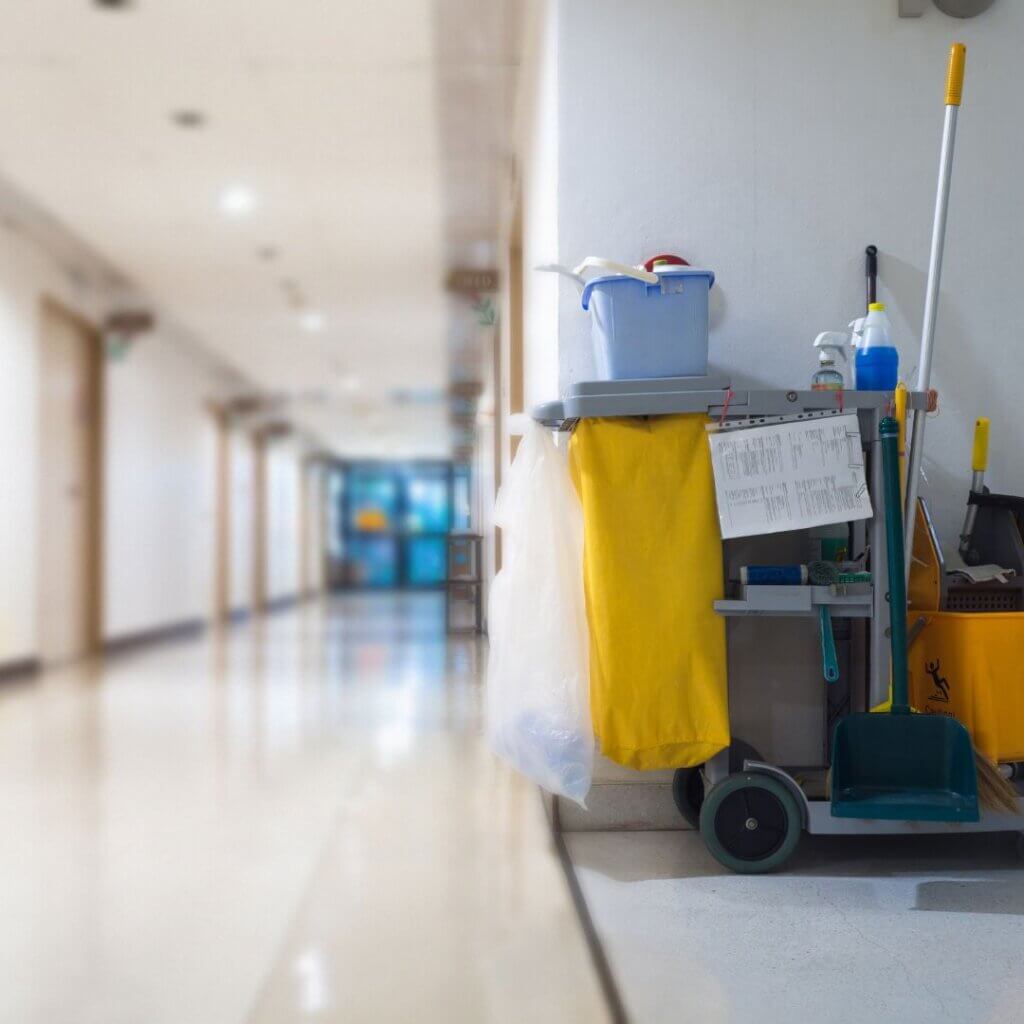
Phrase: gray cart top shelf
(711, 395)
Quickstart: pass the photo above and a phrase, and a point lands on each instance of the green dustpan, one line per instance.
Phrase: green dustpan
(899, 765)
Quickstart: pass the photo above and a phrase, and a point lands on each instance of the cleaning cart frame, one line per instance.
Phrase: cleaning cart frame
(752, 814)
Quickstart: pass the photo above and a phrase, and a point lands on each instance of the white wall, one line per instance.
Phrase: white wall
(539, 119)
(314, 534)
(771, 143)
(241, 553)
(159, 448)
(27, 274)
(284, 506)
(19, 388)
(158, 459)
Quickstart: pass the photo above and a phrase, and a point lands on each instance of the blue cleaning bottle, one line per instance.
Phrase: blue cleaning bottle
(877, 362)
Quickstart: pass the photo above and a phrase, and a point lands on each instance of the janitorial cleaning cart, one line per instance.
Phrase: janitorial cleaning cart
(752, 812)
(789, 459)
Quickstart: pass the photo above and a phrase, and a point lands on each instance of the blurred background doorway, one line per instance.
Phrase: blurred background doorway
(389, 522)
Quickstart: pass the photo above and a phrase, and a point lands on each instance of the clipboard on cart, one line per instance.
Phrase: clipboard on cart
(788, 474)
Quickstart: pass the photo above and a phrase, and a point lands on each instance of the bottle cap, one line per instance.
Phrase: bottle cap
(876, 307)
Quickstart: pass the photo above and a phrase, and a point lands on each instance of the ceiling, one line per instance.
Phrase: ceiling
(370, 138)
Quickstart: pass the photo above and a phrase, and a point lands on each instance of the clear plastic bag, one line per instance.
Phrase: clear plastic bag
(538, 708)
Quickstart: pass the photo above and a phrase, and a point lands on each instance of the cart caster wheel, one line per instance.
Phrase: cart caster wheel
(688, 793)
(688, 783)
(750, 823)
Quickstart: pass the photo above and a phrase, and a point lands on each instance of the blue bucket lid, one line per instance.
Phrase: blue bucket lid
(666, 272)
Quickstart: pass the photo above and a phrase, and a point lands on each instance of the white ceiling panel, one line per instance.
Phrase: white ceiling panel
(328, 111)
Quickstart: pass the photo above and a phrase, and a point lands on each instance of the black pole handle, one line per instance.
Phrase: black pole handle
(871, 271)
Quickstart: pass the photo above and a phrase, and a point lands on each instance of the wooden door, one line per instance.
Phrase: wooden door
(69, 409)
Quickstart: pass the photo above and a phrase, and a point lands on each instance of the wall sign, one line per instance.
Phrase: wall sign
(122, 329)
(471, 281)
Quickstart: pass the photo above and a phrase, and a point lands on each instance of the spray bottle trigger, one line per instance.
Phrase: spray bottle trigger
(857, 331)
(837, 340)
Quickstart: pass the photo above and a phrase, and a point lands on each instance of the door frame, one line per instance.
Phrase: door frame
(222, 537)
(509, 358)
(260, 497)
(312, 576)
(94, 558)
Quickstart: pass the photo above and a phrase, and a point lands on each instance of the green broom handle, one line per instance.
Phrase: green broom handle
(889, 431)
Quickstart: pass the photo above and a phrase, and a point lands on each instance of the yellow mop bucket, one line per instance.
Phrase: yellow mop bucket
(970, 666)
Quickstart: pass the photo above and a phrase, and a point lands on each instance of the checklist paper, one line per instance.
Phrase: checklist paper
(789, 476)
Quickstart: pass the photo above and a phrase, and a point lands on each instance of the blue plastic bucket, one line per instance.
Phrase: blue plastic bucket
(650, 330)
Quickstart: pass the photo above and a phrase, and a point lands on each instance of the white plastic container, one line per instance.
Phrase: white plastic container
(877, 360)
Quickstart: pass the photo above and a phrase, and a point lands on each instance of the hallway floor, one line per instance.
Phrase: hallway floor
(294, 820)
(916, 929)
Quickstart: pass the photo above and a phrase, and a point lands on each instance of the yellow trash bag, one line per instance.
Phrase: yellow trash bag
(652, 568)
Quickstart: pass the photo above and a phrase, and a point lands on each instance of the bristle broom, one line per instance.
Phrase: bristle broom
(995, 792)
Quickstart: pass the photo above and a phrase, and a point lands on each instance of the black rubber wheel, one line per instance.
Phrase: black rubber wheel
(688, 793)
(750, 823)
(740, 751)
(688, 783)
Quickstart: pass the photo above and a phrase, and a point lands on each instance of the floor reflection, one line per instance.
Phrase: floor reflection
(292, 819)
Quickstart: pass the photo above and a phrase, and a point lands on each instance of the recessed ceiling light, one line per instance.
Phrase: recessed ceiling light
(312, 320)
(349, 383)
(188, 118)
(237, 201)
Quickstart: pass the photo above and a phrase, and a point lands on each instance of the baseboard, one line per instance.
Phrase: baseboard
(186, 629)
(622, 807)
(19, 669)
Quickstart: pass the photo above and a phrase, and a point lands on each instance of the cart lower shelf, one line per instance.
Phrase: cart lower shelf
(751, 820)
(852, 600)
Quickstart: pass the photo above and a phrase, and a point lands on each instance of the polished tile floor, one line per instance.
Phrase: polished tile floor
(917, 930)
(294, 820)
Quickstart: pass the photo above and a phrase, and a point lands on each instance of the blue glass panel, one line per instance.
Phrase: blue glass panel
(425, 560)
(373, 561)
(373, 499)
(461, 498)
(426, 494)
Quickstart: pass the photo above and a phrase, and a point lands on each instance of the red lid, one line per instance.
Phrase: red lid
(666, 259)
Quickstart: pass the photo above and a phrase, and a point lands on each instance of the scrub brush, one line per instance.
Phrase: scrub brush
(995, 792)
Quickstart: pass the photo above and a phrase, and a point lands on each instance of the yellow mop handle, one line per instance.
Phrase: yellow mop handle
(900, 412)
(955, 77)
(979, 452)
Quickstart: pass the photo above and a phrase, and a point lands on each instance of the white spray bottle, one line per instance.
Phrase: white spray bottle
(831, 346)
